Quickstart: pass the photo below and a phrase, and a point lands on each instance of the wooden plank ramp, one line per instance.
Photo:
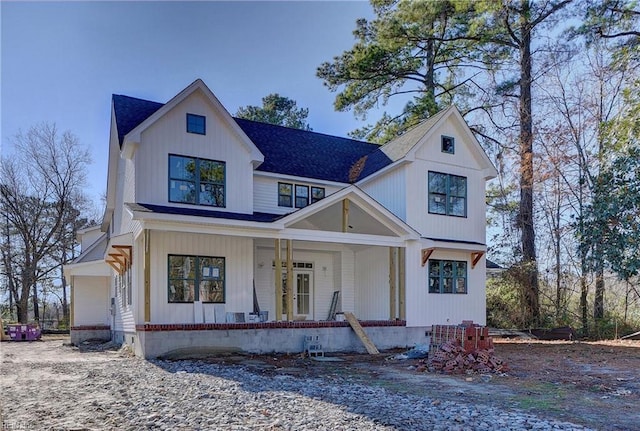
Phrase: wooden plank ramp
(357, 328)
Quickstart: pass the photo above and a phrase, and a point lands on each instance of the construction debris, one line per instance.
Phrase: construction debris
(466, 348)
(451, 358)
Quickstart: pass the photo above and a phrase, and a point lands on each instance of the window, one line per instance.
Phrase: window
(317, 193)
(196, 124)
(285, 194)
(302, 196)
(448, 144)
(196, 181)
(123, 285)
(447, 276)
(196, 278)
(447, 194)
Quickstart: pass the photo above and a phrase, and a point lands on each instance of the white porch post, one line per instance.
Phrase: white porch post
(147, 276)
(278, 280)
(290, 281)
(402, 283)
(392, 283)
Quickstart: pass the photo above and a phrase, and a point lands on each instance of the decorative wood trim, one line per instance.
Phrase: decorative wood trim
(115, 265)
(426, 254)
(345, 215)
(126, 251)
(475, 258)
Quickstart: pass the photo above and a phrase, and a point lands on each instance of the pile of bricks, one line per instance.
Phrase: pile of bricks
(452, 358)
(463, 348)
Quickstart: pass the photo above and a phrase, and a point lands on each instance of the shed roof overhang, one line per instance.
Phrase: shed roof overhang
(429, 245)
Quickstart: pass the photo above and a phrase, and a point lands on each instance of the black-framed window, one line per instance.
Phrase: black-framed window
(196, 181)
(447, 276)
(302, 196)
(196, 278)
(317, 193)
(196, 124)
(447, 194)
(448, 144)
(285, 194)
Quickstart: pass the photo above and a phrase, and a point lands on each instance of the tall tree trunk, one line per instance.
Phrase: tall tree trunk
(65, 303)
(22, 309)
(598, 302)
(529, 266)
(36, 305)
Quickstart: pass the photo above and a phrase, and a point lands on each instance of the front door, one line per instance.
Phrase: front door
(302, 294)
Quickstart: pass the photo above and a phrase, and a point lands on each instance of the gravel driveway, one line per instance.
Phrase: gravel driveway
(46, 385)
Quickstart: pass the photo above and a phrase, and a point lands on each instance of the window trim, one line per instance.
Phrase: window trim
(307, 197)
(197, 279)
(443, 139)
(194, 126)
(454, 277)
(447, 195)
(197, 183)
(289, 196)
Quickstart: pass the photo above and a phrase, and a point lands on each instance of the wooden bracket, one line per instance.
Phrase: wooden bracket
(121, 259)
(475, 258)
(426, 254)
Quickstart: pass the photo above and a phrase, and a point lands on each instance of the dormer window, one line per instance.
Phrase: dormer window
(448, 144)
(196, 124)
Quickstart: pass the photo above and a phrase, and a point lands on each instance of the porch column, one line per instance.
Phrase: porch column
(147, 276)
(290, 281)
(392, 283)
(71, 302)
(278, 280)
(402, 283)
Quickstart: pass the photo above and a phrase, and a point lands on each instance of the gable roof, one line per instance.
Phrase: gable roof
(286, 151)
(131, 111)
(308, 154)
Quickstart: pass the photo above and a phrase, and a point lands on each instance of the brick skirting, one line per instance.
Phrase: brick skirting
(263, 325)
(91, 328)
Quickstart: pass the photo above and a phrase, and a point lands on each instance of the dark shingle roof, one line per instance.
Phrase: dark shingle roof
(286, 151)
(130, 112)
(306, 154)
(160, 209)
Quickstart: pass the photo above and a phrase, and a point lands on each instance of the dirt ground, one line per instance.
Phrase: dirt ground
(595, 384)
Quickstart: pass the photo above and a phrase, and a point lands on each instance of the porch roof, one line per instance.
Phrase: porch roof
(160, 209)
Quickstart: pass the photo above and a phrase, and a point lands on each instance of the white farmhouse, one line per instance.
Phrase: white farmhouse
(223, 233)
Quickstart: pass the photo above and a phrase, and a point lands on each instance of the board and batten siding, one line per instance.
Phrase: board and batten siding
(390, 189)
(168, 135)
(238, 254)
(265, 193)
(425, 309)
(91, 303)
(372, 283)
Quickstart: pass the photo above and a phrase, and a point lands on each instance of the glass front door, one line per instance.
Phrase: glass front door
(302, 294)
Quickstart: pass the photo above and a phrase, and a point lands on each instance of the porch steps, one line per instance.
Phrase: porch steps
(357, 328)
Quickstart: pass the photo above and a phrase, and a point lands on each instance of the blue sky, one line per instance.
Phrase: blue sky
(62, 61)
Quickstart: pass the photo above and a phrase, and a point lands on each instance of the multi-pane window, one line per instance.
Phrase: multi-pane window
(447, 276)
(196, 278)
(317, 193)
(196, 181)
(447, 194)
(285, 194)
(123, 284)
(447, 144)
(196, 124)
(302, 195)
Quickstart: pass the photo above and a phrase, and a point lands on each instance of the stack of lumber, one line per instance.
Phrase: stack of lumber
(452, 358)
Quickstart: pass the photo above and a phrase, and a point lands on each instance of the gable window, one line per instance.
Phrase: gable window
(302, 196)
(447, 276)
(317, 193)
(196, 124)
(285, 194)
(196, 278)
(447, 194)
(447, 145)
(196, 181)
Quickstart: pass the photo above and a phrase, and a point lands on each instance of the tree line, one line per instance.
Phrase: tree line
(550, 89)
